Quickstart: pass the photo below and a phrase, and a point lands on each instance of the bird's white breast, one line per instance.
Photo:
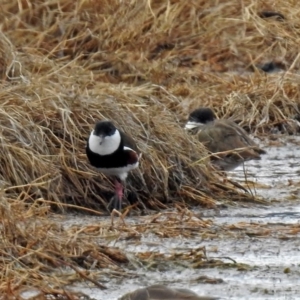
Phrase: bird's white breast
(105, 146)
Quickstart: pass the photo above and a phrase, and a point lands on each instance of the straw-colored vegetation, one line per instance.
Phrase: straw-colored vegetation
(145, 64)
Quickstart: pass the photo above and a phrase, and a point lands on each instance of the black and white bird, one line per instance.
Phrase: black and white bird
(223, 136)
(113, 153)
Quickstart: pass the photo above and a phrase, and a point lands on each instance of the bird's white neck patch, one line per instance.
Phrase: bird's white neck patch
(104, 146)
(192, 125)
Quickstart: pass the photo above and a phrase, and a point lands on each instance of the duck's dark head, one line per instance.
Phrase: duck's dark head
(202, 115)
(199, 117)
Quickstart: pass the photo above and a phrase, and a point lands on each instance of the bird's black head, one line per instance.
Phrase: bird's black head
(202, 115)
(105, 128)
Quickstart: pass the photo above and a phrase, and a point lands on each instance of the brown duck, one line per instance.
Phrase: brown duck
(162, 292)
(223, 136)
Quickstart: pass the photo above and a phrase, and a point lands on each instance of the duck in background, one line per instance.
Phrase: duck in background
(226, 139)
(162, 292)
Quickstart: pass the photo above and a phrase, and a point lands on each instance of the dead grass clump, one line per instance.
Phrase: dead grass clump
(37, 252)
(46, 116)
(185, 47)
(47, 119)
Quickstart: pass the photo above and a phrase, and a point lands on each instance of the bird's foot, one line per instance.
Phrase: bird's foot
(113, 203)
(118, 213)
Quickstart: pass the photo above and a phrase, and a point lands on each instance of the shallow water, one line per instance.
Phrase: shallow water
(273, 258)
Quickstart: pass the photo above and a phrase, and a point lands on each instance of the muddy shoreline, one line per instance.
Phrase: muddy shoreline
(257, 244)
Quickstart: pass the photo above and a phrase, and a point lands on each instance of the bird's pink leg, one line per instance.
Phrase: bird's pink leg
(119, 189)
(119, 194)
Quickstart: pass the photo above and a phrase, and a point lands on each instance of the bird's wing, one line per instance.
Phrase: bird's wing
(129, 141)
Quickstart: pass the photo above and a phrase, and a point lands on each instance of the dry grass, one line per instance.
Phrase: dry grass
(38, 252)
(145, 64)
(77, 64)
